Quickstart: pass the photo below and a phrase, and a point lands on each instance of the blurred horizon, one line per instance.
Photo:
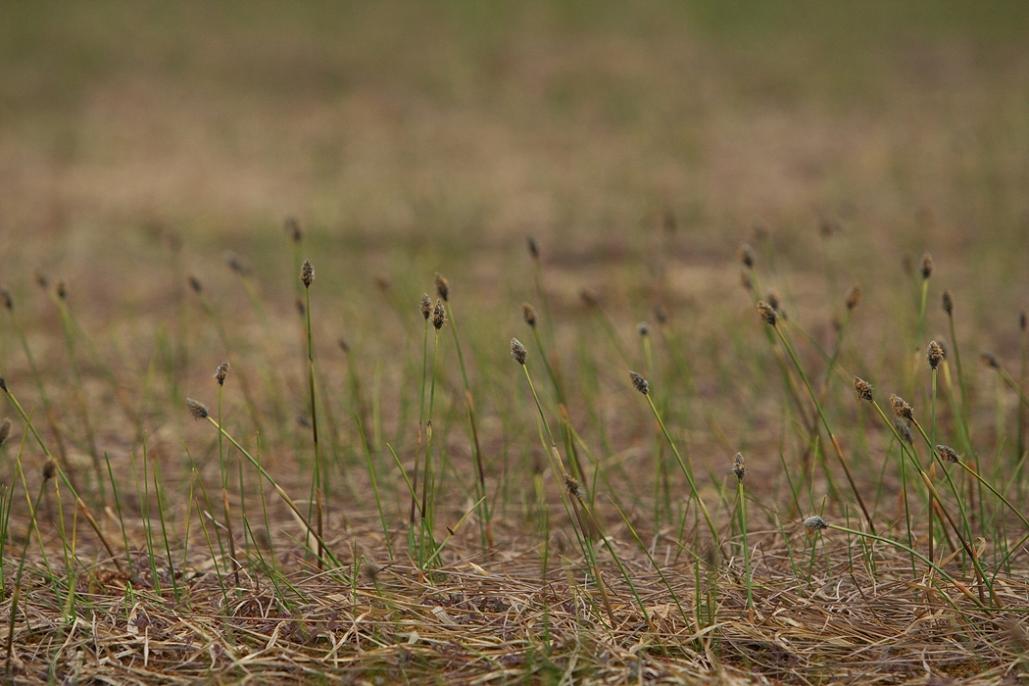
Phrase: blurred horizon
(457, 127)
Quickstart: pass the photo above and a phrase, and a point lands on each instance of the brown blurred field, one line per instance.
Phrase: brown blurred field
(640, 144)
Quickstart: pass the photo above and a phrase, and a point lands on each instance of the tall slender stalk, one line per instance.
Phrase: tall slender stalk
(307, 278)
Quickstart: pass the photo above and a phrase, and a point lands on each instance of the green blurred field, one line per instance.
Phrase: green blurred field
(641, 144)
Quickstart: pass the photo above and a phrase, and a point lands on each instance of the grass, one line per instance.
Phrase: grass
(378, 494)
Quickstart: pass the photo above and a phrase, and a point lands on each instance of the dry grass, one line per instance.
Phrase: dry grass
(640, 149)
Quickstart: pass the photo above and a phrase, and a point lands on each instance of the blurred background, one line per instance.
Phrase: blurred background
(410, 135)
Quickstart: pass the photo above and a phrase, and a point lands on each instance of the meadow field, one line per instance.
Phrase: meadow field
(485, 343)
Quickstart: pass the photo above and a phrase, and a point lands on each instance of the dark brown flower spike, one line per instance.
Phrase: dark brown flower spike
(738, 468)
(518, 351)
(927, 265)
(442, 287)
(947, 453)
(221, 373)
(853, 297)
(639, 383)
(307, 273)
(425, 305)
(439, 315)
(863, 388)
(197, 409)
(935, 354)
(529, 314)
(767, 313)
(901, 407)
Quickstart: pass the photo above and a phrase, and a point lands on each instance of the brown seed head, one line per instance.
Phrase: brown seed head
(901, 407)
(767, 312)
(343, 345)
(573, 486)
(195, 285)
(639, 383)
(529, 314)
(747, 256)
(660, 314)
(904, 430)
(5, 431)
(990, 360)
(3, 385)
(948, 303)
(853, 297)
(773, 300)
(935, 354)
(197, 409)
(442, 287)
(236, 264)
(815, 523)
(588, 298)
(292, 227)
(221, 372)
(1022, 320)
(61, 290)
(738, 467)
(518, 351)
(307, 273)
(643, 329)
(42, 280)
(425, 305)
(947, 453)
(5, 296)
(863, 388)
(927, 266)
(49, 469)
(534, 248)
(439, 315)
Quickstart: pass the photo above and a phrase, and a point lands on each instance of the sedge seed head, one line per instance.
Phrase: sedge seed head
(195, 285)
(853, 297)
(588, 298)
(643, 329)
(767, 312)
(738, 467)
(901, 407)
(947, 453)
(292, 227)
(343, 345)
(425, 305)
(904, 430)
(639, 383)
(747, 256)
(7, 299)
(935, 354)
(236, 264)
(442, 287)
(49, 469)
(529, 314)
(815, 523)
(221, 373)
(3, 385)
(948, 303)
(573, 486)
(518, 351)
(533, 246)
(197, 409)
(439, 315)
(927, 265)
(307, 273)
(42, 280)
(990, 360)
(660, 314)
(5, 431)
(1022, 320)
(863, 388)
(61, 290)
